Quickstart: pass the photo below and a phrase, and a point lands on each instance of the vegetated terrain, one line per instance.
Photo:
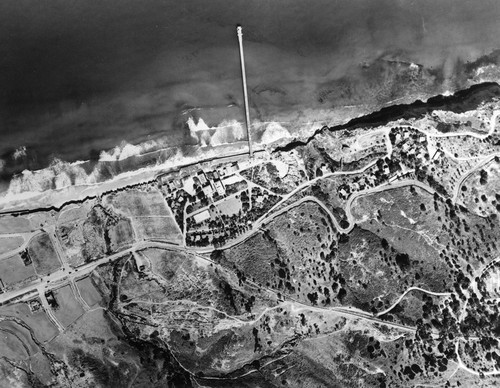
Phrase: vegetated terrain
(69, 308)
(43, 254)
(290, 256)
(480, 191)
(8, 244)
(88, 291)
(93, 232)
(149, 215)
(364, 256)
(13, 271)
(281, 175)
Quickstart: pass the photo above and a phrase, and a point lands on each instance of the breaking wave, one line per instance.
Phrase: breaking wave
(126, 150)
(19, 153)
(128, 158)
(227, 132)
(58, 175)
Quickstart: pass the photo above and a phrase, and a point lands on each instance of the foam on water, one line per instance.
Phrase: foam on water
(129, 159)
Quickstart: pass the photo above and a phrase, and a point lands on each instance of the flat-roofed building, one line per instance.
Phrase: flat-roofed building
(220, 188)
(202, 178)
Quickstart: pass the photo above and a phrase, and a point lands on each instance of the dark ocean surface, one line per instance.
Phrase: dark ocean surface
(81, 76)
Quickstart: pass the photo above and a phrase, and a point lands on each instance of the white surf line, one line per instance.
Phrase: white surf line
(406, 292)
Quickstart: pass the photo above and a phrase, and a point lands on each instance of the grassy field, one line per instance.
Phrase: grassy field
(121, 235)
(9, 224)
(69, 308)
(8, 244)
(230, 206)
(42, 327)
(13, 270)
(139, 203)
(88, 292)
(41, 366)
(11, 346)
(158, 228)
(74, 213)
(43, 254)
(21, 333)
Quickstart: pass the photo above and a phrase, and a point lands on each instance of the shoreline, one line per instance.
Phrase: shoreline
(108, 175)
(58, 198)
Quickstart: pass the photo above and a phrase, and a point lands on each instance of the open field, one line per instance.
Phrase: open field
(158, 228)
(230, 206)
(134, 203)
(41, 366)
(8, 244)
(42, 327)
(43, 254)
(9, 224)
(74, 212)
(88, 291)
(69, 308)
(11, 346)
(21, 333)
(13, 271)
(120, 235)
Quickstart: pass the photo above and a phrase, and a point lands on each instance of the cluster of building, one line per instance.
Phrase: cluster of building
(413, 144)
(209, 183)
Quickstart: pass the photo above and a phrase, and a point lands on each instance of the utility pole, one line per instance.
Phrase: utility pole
(245, 93)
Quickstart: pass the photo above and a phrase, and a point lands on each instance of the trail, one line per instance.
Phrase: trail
(405, 293)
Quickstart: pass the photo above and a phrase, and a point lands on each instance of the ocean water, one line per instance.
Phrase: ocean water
(79, 78)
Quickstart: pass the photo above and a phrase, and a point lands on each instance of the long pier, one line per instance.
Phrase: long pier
(245, 92)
